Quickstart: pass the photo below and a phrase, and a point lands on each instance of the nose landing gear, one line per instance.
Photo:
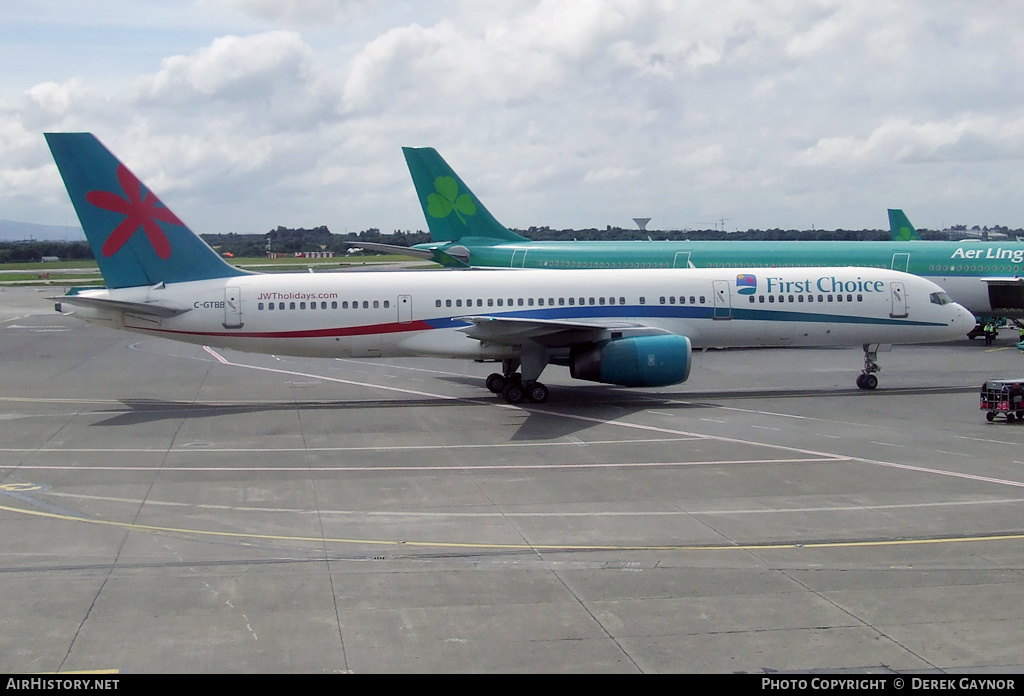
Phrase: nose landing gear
(867, 379)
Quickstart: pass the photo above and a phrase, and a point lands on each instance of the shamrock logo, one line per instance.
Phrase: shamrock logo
(904, 234)
(447, 200)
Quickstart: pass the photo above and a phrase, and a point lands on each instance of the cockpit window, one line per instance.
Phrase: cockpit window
(940, 298)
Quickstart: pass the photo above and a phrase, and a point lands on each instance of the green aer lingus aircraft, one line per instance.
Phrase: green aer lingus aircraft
(985, 277)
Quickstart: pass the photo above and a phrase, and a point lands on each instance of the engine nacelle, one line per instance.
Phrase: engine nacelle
(642, 361)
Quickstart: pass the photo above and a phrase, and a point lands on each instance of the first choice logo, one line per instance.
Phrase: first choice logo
(827, 284)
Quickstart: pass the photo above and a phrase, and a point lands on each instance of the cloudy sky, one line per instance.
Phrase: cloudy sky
(243, 115)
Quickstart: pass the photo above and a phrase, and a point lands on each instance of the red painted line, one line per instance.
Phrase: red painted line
(310, 333)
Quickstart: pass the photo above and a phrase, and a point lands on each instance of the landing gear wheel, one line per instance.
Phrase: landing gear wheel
(870, 382)
(990, 416)
(537, 392)
(1010, 418)
(860, 381)
(513, 392)
(495, 383)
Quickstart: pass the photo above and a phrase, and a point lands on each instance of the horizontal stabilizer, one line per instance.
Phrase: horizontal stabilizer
(138, 308)
(436, 255)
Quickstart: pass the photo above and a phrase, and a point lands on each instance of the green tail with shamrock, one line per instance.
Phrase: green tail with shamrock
(452, 211)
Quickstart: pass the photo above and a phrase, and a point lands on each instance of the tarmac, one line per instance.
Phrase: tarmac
(172, 509)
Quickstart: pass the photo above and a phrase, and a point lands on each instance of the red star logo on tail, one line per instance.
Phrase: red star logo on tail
(139, 212)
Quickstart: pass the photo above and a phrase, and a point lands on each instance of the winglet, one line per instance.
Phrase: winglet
(453, 212)
(900, 227)
(135, 238)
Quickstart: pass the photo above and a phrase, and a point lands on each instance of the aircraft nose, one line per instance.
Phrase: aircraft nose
(964, 320)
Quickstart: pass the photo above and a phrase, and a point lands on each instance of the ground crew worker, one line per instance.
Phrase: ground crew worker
(989, 330)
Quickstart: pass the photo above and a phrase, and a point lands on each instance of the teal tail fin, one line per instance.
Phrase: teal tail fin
(452, 211)
(135, 238)
(900, 227)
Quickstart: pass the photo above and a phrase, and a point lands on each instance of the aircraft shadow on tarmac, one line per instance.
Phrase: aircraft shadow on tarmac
(569, 410)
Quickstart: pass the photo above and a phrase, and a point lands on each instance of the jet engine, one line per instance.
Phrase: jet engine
(640, 361)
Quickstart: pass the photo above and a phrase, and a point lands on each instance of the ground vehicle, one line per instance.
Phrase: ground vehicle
(1003, 397)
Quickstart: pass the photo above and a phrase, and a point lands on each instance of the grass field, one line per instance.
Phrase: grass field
(86, 272)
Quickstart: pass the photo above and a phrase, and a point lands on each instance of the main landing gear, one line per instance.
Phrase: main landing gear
(511, 385)
(866, 379)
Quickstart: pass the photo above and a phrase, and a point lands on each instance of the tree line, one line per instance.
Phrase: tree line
(293, 240)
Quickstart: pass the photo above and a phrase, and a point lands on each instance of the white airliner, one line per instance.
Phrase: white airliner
(635, 328)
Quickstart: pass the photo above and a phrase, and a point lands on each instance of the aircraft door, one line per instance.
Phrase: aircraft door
(404, 309)
(723, 302)
(900, 262)
(899, 300)
(682, 260)
(232, 308)
(519, 258)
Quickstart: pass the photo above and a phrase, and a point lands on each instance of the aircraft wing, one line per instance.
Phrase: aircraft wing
(145, 309)
(549, 333)
(1006, 296)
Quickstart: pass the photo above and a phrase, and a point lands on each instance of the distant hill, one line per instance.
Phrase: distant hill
(12, 231)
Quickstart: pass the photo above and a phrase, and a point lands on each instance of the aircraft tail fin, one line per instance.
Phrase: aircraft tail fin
(452, 211)
(135, 238)
(900, 227)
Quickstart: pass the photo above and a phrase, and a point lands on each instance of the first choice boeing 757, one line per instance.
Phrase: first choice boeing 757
(634, 328)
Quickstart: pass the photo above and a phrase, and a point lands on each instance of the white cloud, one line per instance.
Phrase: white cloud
(301, 12)
(558, 112)
(232, 67)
